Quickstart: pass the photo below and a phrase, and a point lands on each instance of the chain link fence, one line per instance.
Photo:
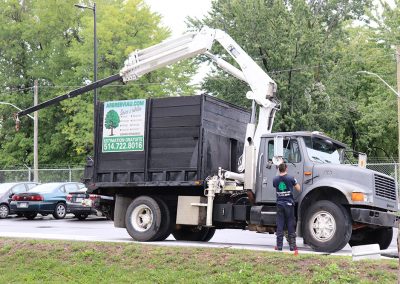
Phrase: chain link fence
(45, 175)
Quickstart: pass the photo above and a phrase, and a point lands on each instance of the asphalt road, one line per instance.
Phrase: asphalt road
(99, 229)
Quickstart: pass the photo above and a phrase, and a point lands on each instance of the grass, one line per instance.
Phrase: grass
(28, 261)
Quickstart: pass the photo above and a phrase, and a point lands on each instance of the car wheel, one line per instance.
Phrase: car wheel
(4, 211)
(143, 219)
(327, 226)
(81, 216)
(192, 233)
(60, 211)
(30, 216)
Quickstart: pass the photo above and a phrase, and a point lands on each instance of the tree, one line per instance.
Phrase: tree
(112, 120)
(313, 51)
(52, 41)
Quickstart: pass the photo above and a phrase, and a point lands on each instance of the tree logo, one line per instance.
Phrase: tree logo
(112, 120)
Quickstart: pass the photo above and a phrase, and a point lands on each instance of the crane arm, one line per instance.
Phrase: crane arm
(189, 45)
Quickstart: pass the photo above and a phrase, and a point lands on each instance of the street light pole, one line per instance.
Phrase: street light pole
(397, 93)
(93, 8)
(398, 100)
(35, 134)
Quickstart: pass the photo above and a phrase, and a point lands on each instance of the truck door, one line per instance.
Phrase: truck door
(293, 158)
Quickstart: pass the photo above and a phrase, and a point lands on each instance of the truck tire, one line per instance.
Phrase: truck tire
(165, 227)
(143, 219)
(327, 226)
(192, 233)
(209, 235)
(382, 236)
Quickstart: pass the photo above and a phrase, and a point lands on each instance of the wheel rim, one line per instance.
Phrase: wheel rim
(323, 226)
(60, 210)
(142, 218)
(3, 211)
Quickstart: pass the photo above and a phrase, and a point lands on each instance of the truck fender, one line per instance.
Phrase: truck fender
(344, 187)
(121, 205)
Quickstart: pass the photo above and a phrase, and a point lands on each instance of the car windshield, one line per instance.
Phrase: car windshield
(45, 188)
(324, 150)
(5, 186)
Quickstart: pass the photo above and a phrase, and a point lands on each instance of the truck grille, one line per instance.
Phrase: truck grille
(385, 187)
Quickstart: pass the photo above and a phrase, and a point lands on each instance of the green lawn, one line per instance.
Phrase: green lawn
(27, 261)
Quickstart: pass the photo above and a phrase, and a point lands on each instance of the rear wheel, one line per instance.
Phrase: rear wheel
(327, 226)
(193, 233)
(4, 211)
(209, 235)
(143, 219)
(166, 222)
(60, 211)
(30, 216)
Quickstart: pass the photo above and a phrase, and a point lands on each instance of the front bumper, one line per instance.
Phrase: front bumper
(374, 217)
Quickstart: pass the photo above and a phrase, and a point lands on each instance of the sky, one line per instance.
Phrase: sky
(174, 12)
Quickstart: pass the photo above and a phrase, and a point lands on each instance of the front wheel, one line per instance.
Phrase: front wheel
(327, 226)
(4, 211)
(60, 211)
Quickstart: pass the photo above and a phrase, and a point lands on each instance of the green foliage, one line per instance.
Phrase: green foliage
(313, 50)
(52, 42)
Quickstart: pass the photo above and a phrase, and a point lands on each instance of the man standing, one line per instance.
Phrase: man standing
(284, 185)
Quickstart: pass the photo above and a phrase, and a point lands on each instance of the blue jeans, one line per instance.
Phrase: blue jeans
(285, 216)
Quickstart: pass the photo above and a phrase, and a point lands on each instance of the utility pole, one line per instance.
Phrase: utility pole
(35, 134)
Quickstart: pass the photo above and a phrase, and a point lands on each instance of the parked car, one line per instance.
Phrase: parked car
(7, 190)
(48, 198)
(83, 204)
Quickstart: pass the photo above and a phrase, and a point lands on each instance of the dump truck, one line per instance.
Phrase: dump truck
(187, 166)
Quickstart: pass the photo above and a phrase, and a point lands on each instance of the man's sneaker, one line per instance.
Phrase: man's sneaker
(276, 248)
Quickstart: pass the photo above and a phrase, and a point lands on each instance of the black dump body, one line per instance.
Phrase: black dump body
(186, 139)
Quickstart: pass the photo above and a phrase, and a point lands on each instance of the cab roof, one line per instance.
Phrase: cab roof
(305, 134)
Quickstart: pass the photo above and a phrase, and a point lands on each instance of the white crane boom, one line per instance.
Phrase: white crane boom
(189, 45)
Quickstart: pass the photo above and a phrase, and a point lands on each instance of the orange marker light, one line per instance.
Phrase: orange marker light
(307, 173)
(357, 196)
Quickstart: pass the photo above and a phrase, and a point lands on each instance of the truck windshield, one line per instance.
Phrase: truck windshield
(322, 150)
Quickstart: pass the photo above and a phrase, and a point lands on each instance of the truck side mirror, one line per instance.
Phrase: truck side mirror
(362, 160)
(278, 150)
